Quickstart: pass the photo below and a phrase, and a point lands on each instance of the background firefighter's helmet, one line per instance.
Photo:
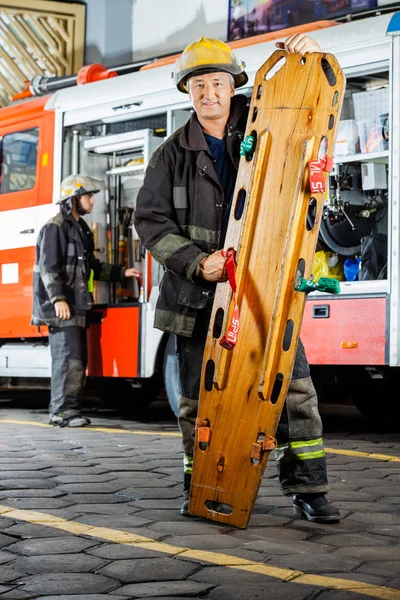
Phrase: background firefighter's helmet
(207, 55)
(78, 185)
(75, 186)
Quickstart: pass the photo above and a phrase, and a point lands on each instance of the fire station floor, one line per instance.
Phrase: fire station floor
(93, 514)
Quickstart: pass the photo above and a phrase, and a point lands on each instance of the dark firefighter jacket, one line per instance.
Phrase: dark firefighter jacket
(64, 258)
(179, 214)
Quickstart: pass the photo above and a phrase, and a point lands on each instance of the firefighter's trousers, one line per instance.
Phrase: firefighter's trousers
(300, 455)
(68, 347)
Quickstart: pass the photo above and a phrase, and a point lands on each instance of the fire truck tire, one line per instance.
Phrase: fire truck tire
(377, 399)
(123, 394)
(171, 375)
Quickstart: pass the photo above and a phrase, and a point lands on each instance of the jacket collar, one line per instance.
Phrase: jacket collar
(192, 137)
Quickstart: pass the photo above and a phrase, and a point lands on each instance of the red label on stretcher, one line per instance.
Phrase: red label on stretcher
(230, 339)
(316, 170)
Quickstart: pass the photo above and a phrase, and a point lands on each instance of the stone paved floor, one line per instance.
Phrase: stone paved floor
(131, 482)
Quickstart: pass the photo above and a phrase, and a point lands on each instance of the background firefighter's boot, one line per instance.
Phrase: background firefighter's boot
(315, 507)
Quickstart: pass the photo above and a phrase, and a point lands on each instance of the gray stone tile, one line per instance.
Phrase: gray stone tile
(121, 551)
(20, 484)
(94, 499)
(312, 563)
(144, 493)
(5, 540)
(188, 526)
(354, 540)
(117, 522)
(28, 493)
(148, 569)
(204, 542)
(75, 583)
(270, 589)
(110, 596)
(369, 553)
(40, 504)
(59, 563)
(376, 518)
(43, 546)
(390, 530)
(109, 487)
(165, 589)
(108, 509)
(342, 595)
(389, 568)
(283, 534)
(9, 574)
(6, 557)
(32, 530)
(271, 548)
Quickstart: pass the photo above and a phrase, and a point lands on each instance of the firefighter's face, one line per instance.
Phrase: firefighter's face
(211, 95)
(87, 202)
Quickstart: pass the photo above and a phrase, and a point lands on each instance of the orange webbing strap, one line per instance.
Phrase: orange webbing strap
(266, 445)
(230, 339)
(316, 170)
(203, 430)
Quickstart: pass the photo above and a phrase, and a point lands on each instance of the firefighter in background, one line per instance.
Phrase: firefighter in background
(63, 280)
(181, 217)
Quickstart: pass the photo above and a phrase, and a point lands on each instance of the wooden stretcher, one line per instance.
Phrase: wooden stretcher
(272, 236)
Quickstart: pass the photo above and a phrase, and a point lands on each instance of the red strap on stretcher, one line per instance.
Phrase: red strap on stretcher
(316, 169)
(229, 340)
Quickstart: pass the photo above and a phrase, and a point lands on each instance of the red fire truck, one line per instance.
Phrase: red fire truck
(109, 128)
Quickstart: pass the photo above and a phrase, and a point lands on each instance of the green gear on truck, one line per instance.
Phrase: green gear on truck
(325, 284)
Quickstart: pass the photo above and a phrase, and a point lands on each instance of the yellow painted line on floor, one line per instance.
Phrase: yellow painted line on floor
(363, 454)
(215, 558)
(102, 429)
(385, 457)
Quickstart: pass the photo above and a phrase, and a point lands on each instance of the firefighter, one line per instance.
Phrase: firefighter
(63, 280)
(181, 217)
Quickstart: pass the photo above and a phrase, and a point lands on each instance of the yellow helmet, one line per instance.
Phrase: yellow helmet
(207, 55)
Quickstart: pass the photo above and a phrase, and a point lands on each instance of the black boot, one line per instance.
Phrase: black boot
(186, 494)
(315, 507)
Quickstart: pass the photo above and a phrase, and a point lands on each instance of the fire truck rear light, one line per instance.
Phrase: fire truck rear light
(349, 345)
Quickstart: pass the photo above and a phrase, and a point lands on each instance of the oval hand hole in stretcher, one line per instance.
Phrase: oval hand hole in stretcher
(219, 507)
(287, 338)
(259, 92)
(323, 147)
(311, 214)
(335, 98)
(209, 375)
(275, 68)
(218, 322)
(331, 122)
(239, 206)
(276, 390)
(255, 113)
(300, 269)
(328, 71)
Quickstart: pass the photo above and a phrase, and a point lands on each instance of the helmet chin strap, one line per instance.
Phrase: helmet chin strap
(79, 208)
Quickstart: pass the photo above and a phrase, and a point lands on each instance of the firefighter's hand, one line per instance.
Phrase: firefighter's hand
(299, 44)
(62, 310)
(132, 273)
(212, 268)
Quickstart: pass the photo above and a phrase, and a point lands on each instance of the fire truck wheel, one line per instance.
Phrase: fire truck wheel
(377, 400)
(171, 375)
(124, 394)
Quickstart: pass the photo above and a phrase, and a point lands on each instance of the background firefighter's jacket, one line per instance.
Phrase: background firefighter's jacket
(64, 258)
(179, 213)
